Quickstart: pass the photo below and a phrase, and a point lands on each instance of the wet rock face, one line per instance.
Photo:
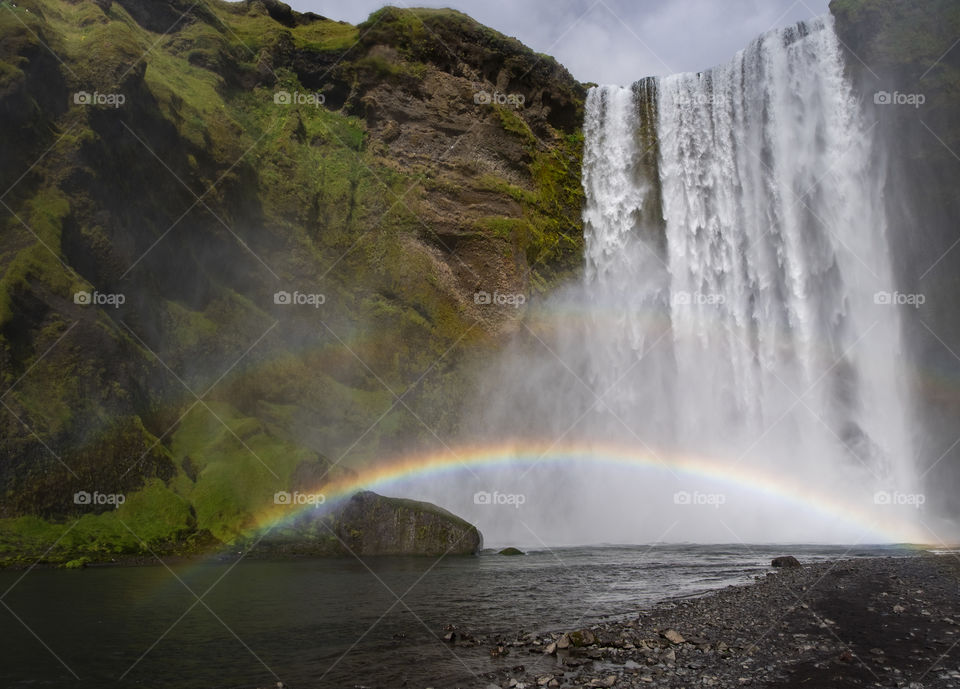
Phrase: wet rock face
(371, 524)
(440, 92)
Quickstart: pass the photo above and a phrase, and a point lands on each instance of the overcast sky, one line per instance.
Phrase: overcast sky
(613, 41)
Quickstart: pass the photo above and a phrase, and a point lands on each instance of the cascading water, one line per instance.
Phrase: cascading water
(733, 310)
(773, 266)
(776, 238)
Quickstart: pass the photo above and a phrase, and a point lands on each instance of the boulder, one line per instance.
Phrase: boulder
(785, 561)
(582, 637)
(673, 636)
(371, 524)
(511, 551)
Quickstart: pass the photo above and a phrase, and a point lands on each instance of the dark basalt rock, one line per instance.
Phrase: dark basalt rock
(785, 561)
(372, 524)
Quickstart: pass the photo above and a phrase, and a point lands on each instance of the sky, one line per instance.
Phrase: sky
(612, 41)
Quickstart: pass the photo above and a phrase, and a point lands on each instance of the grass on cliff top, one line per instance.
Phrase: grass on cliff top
(418, 29)
(247, 30)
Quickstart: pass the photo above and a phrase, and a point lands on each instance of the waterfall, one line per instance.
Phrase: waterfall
(765, 259)
(732, 340)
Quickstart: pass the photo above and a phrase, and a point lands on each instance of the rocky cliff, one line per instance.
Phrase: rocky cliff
(905, 62)
(239, 240)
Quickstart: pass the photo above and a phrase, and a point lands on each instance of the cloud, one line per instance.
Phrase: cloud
(614, 41)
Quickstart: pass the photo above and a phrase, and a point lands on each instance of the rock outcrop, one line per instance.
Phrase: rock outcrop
(368, 524)
(371, 524)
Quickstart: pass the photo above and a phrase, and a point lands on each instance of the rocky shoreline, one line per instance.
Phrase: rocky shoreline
(881, 622)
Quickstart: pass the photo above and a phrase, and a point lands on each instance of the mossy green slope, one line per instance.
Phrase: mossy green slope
(220, 181)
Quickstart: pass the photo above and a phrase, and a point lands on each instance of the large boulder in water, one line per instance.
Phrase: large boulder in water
(785, 561)
(371, 524)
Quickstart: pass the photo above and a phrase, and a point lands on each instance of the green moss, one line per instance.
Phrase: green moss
(77, 563)
(385, 69)
(501, 186)
(551, 235)
(511, 229)
(153, 517)
(239, 464)
(513, 123)
(156, 514)
(27, 536)
(39, 263)
(325, 36)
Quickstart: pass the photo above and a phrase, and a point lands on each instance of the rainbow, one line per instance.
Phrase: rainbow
(384, 476)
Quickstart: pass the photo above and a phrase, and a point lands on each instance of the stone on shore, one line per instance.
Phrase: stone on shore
(785, 561)
(582, 637)
(673, 636)
(895, 598)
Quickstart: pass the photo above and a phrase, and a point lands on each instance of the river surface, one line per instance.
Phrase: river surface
(338, 622)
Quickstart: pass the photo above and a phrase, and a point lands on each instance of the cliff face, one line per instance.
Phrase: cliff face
(906, 67)
(235, 235)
